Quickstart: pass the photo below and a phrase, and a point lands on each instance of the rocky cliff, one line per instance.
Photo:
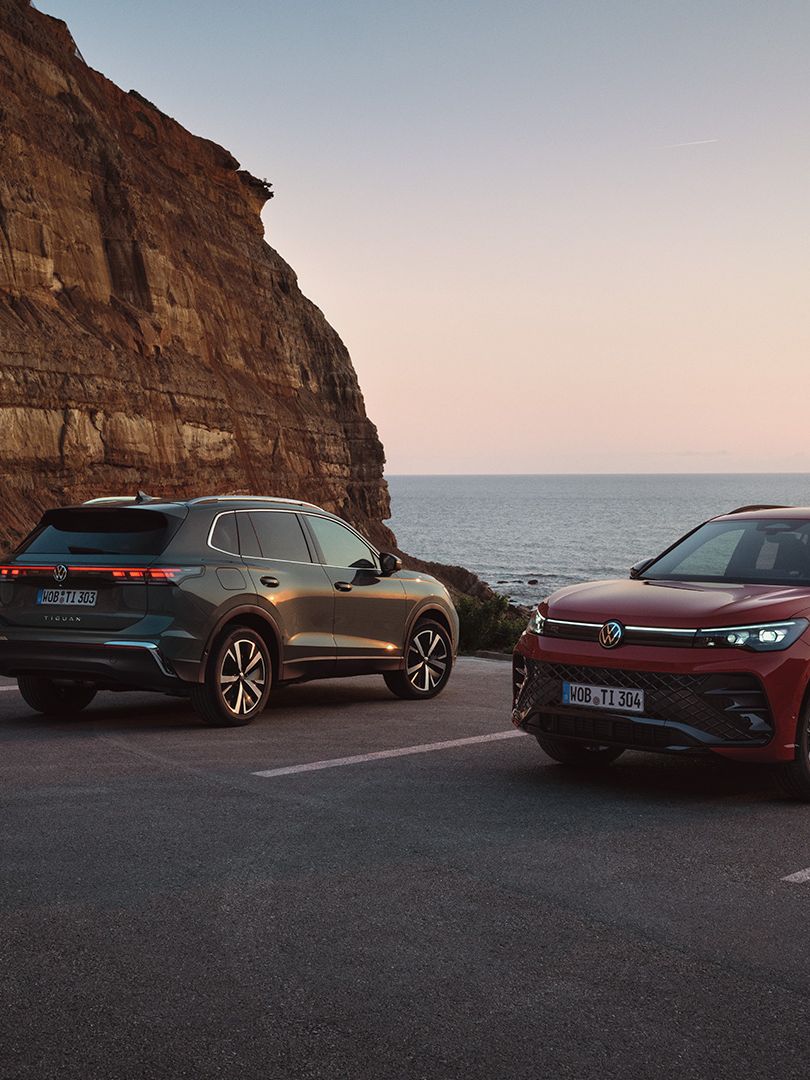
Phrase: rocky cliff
(149, 337)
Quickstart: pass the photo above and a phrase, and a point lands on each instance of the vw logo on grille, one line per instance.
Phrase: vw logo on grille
(59, 574)
(611, 634)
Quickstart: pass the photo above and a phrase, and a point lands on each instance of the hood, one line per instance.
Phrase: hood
(677, 604)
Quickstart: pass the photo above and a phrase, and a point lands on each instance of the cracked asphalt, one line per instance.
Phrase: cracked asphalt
(475, 912)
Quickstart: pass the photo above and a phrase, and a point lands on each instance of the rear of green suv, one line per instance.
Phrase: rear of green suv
(218, 599)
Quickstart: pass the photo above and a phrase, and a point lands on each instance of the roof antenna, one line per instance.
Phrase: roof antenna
(142, 497)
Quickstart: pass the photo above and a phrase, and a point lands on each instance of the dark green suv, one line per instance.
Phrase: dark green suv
(215, 598)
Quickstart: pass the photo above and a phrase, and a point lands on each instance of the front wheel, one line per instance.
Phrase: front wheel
(54, 698)
(584, 755)
(795, 775)
(237, 680)
(428, 663)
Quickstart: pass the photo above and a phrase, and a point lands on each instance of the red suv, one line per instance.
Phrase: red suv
(705, 649)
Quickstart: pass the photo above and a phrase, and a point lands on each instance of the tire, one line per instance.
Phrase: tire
(54, 698)
(227, 697)
(428, 663)
(794, 776)
(582, 755)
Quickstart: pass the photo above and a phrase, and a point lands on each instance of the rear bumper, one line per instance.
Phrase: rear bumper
(739, 705)
(121, 664)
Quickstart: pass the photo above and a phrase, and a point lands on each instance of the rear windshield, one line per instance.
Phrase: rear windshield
(756, 552)
(100, 532)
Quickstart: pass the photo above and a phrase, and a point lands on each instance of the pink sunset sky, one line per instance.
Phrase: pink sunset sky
(570, 237)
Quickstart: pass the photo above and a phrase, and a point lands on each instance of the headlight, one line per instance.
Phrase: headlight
(761, 637)
(537, 623)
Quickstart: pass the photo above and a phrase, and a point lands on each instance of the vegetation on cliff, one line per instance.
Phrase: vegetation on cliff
(490, 624)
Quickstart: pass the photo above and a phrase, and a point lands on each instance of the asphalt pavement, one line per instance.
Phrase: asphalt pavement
(469, 910)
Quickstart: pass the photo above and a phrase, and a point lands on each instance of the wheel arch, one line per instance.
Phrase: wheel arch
(431, 610)
(250, 616)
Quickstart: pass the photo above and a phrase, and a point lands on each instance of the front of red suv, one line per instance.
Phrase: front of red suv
(673, 660)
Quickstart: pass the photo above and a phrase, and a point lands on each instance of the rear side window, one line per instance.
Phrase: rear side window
(225, 537)
(279, 536)
(101, 532)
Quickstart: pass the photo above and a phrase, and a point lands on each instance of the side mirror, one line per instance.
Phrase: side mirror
(640, 567)
(389, 564)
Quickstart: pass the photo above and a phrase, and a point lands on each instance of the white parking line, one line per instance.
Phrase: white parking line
(403, 751)
(799, 876)
(2, 688)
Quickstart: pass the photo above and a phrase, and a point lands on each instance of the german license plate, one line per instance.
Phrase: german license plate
(603, 697)
(68, 597)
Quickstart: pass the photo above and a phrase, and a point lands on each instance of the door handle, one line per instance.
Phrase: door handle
(270, 582)
(343, 586)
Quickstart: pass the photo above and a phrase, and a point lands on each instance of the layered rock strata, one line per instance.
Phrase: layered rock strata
(149, 336)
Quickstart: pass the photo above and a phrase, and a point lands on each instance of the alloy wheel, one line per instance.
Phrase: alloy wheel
(427, 659)
(242, 676)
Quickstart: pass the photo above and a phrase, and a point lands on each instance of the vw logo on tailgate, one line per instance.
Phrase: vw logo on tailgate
(60, 573)
(611, 634)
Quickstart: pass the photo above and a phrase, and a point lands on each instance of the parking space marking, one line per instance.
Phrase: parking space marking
(2, 688)
(378, 755)
(799, 876)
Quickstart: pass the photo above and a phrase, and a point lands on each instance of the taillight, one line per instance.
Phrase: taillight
(22, 571)
(166, 575)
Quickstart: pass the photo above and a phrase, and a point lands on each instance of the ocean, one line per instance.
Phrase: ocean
(529, 535)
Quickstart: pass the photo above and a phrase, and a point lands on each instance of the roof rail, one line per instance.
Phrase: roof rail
(141, 497)
(759, 506)
(110, 499)
(251, 498)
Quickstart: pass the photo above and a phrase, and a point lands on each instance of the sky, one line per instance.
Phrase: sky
(555, 236)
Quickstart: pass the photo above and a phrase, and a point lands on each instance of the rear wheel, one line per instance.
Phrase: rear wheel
(237, 680)
(584, 755)
(795, 775)
(428, 663)
(54, 698)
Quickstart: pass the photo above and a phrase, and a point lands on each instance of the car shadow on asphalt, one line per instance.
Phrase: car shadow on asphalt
(160, 713)
(652, 778)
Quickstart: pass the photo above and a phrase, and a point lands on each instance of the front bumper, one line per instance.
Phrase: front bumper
(737, 704)
(133, 664)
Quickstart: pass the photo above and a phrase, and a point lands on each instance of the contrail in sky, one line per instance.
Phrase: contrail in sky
(697, 142)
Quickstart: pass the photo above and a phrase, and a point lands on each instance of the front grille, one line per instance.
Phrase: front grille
(611, 729)
(704, 709)
(633, 635)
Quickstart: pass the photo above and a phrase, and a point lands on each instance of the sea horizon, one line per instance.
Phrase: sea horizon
(638, 472)
(527, 534)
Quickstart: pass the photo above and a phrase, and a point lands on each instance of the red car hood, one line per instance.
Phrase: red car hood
(678, 604)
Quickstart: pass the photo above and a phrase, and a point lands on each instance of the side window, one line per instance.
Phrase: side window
(280, 535)
(248, 541)
(339, 545)
(712, 558)
(224, 535)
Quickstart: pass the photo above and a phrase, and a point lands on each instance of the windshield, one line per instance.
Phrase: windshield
(100, 532)
(757, 551)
